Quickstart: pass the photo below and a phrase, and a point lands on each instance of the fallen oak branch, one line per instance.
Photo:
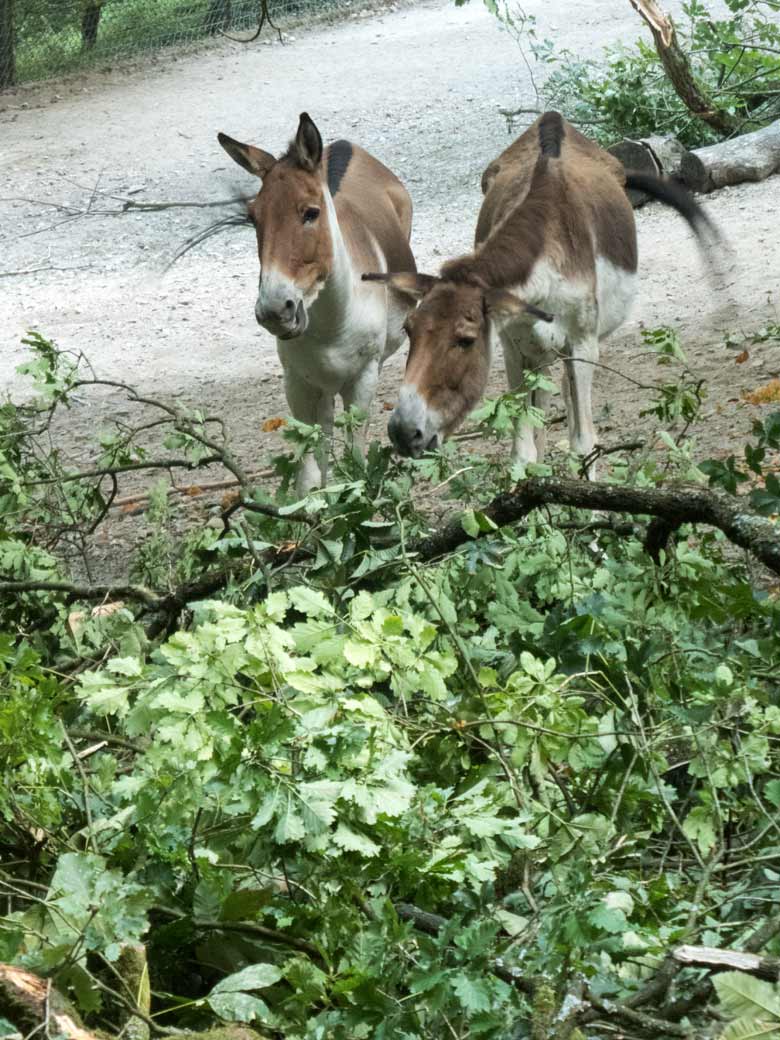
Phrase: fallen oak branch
(681, 1007)
(432, 924)
(588, 1008)
(678, 68)
(166, 604)
(209, 583)
(127, 467)
(675, 506)
(259, 931)
(733, 960)
(202, 488)
(275, 512)
(139, 593)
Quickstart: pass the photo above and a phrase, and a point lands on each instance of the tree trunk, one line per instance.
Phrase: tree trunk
(90, 20)
(219, 16)
(751, 157)
(678, 69)
(7, 44)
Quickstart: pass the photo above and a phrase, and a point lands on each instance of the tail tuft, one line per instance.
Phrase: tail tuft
(674, 195)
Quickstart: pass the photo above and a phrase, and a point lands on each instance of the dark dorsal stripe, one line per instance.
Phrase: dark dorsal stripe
(551, 133)
(339, 158)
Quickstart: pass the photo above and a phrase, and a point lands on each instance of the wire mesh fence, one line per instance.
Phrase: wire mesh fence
(41, 39)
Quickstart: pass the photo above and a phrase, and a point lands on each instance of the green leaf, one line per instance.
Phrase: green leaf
(608, 920)
(129, 666)
(472, 992)
(469, 523)
(724, 675)
(772, 792)
(210, 893)
(237, 1007)
(699, 827)
(426, 982)
(361, 655)
(244, 903)
(352, 841)
(101, 695)
(256, 976)
(308, 981)
(750, 1028)
(619, 901)
(741, 994)
(289, 825)
(310, 602)
(513, 924)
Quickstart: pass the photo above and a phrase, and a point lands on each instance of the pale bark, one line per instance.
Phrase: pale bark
(678, 68)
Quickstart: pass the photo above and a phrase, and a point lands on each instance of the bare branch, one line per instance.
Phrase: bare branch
(265, 16)
(675, 505)
(86, 592)
(737, 960)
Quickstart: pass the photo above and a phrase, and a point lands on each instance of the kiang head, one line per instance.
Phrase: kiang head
(449, 353)
(290, 214)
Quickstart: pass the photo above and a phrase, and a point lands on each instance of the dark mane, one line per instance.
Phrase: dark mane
(507, 256)
(551, 133)
(339, 158)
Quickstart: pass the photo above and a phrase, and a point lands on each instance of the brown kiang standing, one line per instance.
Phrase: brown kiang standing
(553, 273)
(323, 216)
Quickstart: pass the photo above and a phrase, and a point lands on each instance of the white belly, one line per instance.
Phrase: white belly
(615, 289)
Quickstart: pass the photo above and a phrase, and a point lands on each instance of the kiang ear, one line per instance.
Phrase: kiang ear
(254, 160)
(502, 305)
(308, 143)
(407, 283)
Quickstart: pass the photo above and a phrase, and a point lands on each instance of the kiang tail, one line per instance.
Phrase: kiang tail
(674, 195)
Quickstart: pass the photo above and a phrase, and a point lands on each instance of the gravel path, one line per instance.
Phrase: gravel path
(419, 86)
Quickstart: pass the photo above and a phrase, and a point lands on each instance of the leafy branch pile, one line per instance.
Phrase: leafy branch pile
(343, 786)
(734, 61)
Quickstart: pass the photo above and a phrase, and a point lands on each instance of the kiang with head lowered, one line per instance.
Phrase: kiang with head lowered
(323, 216)
(553, 272)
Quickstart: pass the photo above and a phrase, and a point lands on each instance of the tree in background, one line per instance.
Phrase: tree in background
(7, 44)
(90, 21)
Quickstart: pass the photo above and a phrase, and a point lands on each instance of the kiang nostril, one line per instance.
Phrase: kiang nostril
(418, 435)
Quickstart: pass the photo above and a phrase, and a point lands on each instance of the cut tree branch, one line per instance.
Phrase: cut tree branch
(734, 960)
(678, 68)
(138, 593)
(678, 1009)
(675, 506)
(259, 931)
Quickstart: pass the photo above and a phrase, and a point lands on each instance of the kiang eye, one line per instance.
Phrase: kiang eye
(464, 342)
(311, 214)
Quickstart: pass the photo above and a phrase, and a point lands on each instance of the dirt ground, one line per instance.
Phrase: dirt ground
(421, 86)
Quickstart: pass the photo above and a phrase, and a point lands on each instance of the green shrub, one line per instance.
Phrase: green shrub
(569, 755)
(626, 92)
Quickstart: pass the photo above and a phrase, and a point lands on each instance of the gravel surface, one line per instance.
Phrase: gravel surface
(420, 86)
